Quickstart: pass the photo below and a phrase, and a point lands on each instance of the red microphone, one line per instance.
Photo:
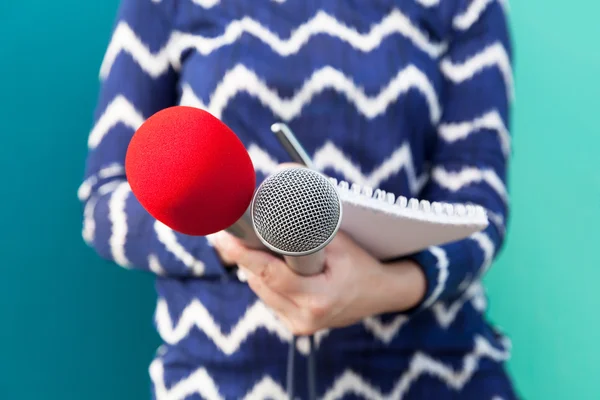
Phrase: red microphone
(192, 173)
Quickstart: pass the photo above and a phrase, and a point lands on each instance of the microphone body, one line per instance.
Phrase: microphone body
(296, 212)
(243, 230)
(311, 264)
(192, 173)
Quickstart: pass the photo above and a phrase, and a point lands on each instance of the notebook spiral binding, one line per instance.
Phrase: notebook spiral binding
(390, 200)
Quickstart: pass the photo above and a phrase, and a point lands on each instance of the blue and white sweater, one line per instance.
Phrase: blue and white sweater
(411, 96)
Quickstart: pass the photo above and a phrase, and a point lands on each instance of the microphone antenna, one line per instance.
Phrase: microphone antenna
(291, 144)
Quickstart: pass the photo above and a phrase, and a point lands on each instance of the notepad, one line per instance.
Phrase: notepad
(390, 226)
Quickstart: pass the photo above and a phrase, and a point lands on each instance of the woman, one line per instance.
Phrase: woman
(411, 96)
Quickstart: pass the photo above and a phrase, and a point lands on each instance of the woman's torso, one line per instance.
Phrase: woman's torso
(359, 84)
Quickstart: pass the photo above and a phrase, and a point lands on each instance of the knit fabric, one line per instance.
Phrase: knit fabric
(410, 96)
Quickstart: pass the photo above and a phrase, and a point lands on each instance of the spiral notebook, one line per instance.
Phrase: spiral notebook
(388, 226)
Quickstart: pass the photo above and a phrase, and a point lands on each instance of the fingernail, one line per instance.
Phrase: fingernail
(221, 239)
(242, 275)
(224, 242)
(247, 271)
(213, 239)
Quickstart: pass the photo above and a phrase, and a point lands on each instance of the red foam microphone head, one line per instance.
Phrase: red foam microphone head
(190, 171)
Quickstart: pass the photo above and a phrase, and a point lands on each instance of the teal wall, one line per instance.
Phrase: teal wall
(544, 289)
(75, 327)
(72, 327)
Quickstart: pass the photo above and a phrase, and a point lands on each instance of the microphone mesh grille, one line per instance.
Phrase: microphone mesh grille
(296, 210)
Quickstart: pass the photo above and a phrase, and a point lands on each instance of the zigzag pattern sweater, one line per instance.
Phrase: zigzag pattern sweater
(411, 96)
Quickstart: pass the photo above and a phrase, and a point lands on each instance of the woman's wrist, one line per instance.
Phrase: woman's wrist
(399, 286)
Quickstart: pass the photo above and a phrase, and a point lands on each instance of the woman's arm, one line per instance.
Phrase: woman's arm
(471, 156)
(137, 81)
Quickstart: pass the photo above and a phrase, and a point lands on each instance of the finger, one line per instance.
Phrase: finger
(286, 309)
(226, 246)
(344, 245)
(340, 241)
(274, 300)
(281, 306)
(274, 272)
(298, 320)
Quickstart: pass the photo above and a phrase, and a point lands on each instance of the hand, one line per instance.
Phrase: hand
(353, 286)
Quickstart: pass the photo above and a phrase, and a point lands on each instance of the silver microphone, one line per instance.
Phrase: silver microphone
(296, 212)
(243, 228)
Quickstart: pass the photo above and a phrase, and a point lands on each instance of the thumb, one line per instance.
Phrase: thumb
(219, 242)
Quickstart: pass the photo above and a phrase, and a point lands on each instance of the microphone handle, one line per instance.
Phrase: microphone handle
(243, 229)
(311, 264)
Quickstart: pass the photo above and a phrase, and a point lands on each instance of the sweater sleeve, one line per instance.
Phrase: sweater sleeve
(137, 80)
(469, 162)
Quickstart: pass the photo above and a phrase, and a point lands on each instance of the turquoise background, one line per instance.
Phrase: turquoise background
(76, 327)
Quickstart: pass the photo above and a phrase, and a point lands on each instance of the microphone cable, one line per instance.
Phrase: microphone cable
(290, 368)
(291, 360)
(311, 369)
